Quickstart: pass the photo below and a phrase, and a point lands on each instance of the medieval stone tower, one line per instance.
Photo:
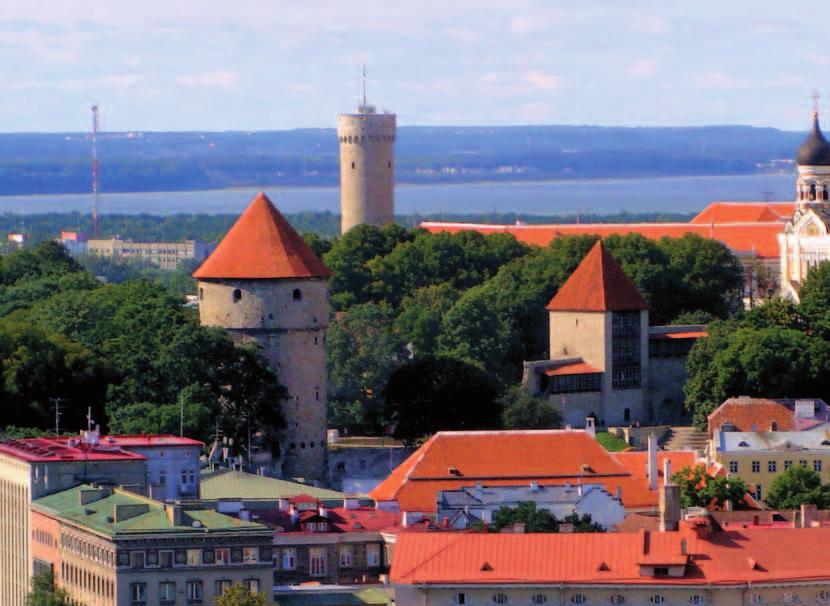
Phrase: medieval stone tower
(265, 285)
(367, 167)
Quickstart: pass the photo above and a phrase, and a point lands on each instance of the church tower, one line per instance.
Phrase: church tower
(263, 284)
(367, 167)
(813, 160)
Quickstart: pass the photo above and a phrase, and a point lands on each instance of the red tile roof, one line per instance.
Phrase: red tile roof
(746, 212)
(575, 368)
(451, 460)
(262, 245)
(598, 284)
(751, 414)
(758, 239)
(717, 558)
(44, 450)
(690, 334)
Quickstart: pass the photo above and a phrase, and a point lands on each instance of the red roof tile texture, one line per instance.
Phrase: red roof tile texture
(746, 238)
(751, 414)
(716, 558)
(576, 368)
(451, 460)
(598, 284)
(745, 212)
(262, 245)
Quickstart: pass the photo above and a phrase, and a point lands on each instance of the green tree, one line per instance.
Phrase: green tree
(776, 311)
(44, 592)
(798, 485)
(521, 410)
(420, 320)
(239, 595)
(540, 520)
(433, 394)
(363, 350)
(699, 489)
(815, 298)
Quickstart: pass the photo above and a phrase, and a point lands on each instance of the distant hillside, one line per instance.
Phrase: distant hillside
(60, 163)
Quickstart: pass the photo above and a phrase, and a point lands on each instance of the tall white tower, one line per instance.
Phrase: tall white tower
(367, 166)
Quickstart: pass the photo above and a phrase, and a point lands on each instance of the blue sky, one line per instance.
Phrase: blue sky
(278, 64)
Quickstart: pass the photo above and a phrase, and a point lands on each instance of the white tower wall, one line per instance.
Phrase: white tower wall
(367, 167)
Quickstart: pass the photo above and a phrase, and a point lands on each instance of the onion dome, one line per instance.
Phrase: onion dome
(815, 151)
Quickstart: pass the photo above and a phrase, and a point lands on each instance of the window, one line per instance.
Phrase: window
(816, 464)
(733, 467)
(223, 555)
(373, 555)
(790, 597)
(222, 586)
(201, 294)
(772, 466)
(194, 590)
(697, 600)
(236, 555)
(250, 555)
(137, 559)
(237, 295)
(574, 383)
(252, 585)
(539, 598)
(625, 350)
(657, 598)
(194, 557)
(461, 598)
(208, 556)
(352, 164)
(757, 493)
(346, 556)
(803, 462)
(500, 598)
(757, 598)
(773, 426)
(317, 562)
(166, 559)
(756, 466)
(617, 599)
(661, 571)
(579, 598)
(289, 559)
(266, 554)
(824, 596)
(162, 477)
(788, 464)
(138, 593)
(297, 295)
(167, 591)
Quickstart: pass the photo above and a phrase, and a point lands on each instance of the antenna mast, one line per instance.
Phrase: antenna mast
(95, 228)
(364, 85)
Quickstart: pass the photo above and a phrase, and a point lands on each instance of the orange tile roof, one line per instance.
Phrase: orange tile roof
(716, 558)
(575, 368)
(451, 460)
(759, 239)
(689, 334)
(745, 212)
(635, 462)
(744, 413)
(262, 245)
(598, 284)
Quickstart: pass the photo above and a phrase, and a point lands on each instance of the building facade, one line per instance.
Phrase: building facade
(367, 167)
(166, 255)
(111, 547)
(265, 286)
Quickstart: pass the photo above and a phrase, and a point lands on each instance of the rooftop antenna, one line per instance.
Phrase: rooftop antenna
(89, 418)
(364, 85)
(95, 228)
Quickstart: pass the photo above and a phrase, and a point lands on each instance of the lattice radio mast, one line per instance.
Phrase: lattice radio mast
(95, 228)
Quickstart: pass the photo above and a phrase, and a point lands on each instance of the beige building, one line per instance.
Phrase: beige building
(264, 285)
(166, 255)
(111, 547)
(367, 167)
(605, 361)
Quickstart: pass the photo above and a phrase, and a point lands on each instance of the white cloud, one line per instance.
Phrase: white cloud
(542, 80)
(643, 69)
(221, 78)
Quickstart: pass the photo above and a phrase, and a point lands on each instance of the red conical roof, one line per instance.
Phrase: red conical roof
(598, 284)
(262, 245)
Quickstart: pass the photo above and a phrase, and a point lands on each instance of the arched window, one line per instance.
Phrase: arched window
(824, 193)
(579, 598)
(500, 598)
(297, 294)
(237, 295)
(812, 191)
(617, 599)
(539, 598)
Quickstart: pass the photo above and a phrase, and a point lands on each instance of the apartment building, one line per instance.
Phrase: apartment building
(113, 547)
(166, 255)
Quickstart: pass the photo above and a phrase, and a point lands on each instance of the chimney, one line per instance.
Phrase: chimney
(619, 492)
(808, 514)
(669, 507)
(591, 426)
(666, 469)
(652, 462)
(727, 505)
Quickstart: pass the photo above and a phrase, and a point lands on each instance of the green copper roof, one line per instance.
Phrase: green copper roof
(123, 512)
(229, 484)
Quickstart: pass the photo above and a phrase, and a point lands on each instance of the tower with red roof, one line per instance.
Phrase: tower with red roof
(598, 344)
(265, 285)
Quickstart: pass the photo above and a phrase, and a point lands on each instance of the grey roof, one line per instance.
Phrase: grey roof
(775, 441)
(815, 151)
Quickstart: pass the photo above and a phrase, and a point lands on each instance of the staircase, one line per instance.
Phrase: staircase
(686, 438)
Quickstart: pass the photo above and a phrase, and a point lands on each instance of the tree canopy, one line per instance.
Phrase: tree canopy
(239, 595)
(796, 486)
(699, 489)
(539, 520)
(44, 592)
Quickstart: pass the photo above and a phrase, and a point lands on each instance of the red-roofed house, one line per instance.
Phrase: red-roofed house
(766, 414)
(605, 362)
(264, 285)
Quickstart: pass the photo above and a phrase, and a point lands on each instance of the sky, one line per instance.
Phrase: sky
(280, 64)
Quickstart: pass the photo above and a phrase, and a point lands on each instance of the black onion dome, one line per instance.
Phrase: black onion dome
(815, 151)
